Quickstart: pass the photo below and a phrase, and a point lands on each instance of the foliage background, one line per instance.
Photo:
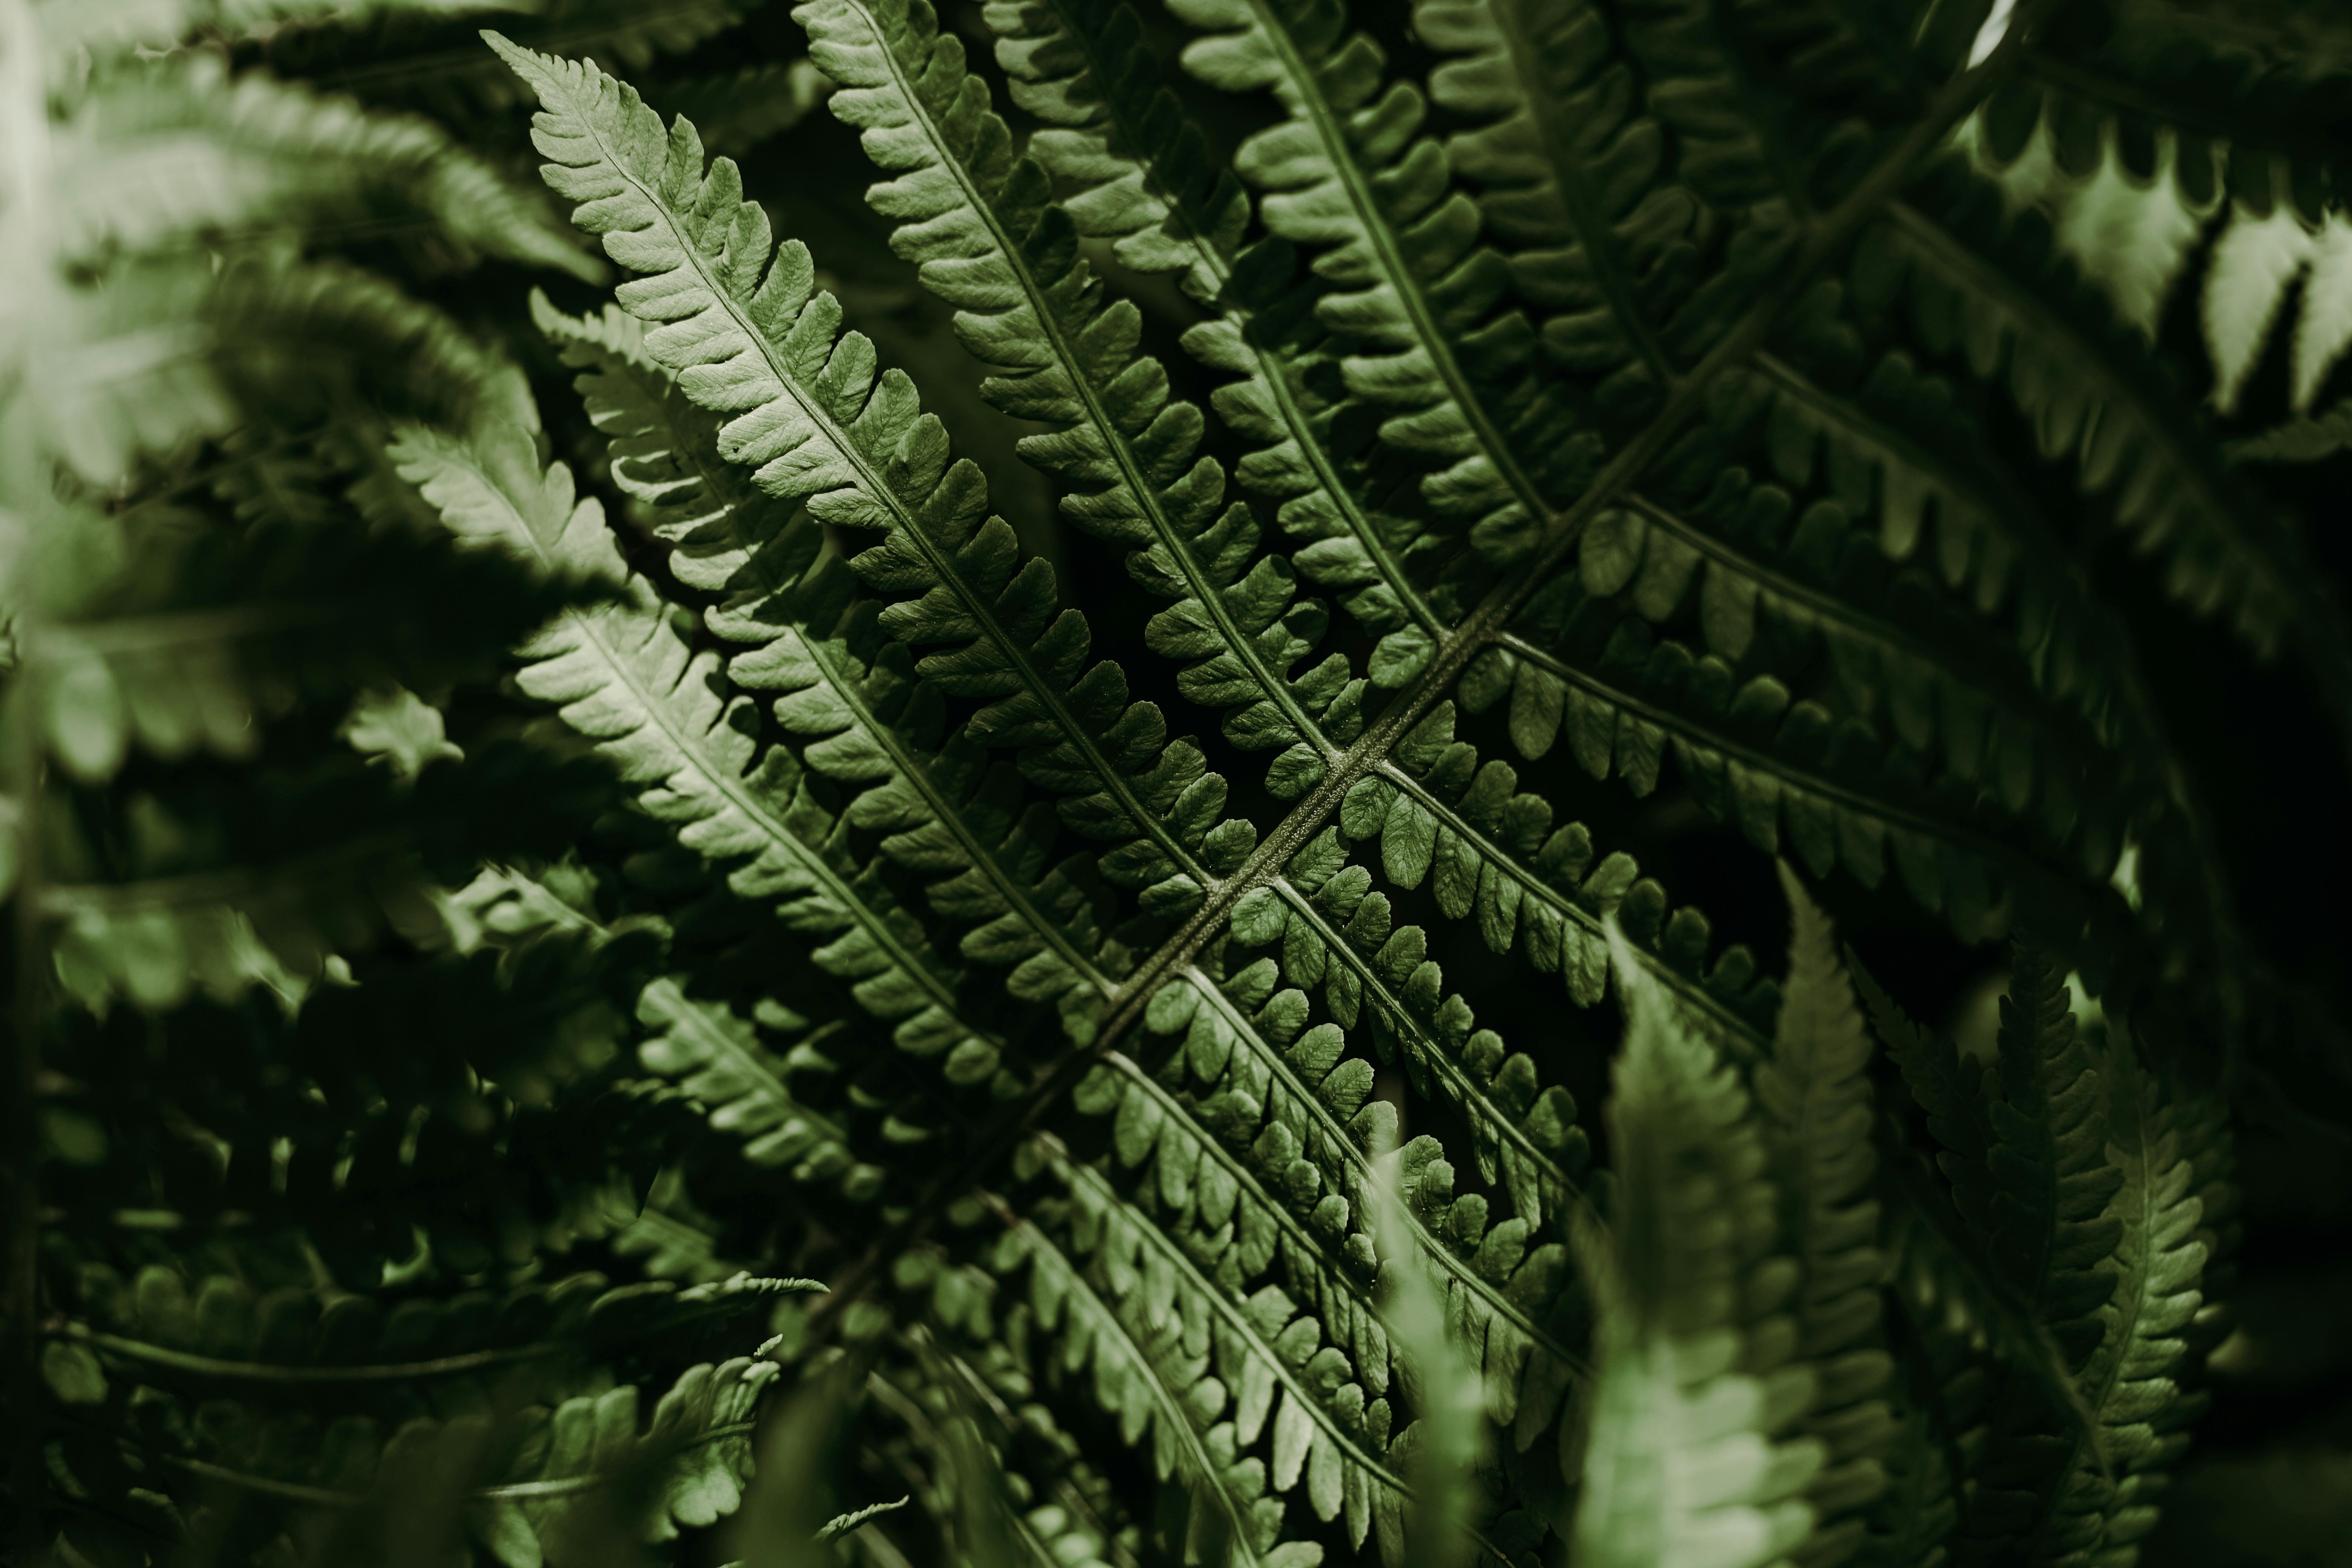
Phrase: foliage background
(2270, 1479)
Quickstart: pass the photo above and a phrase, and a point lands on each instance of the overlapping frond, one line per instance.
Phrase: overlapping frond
(810, 416)
(1997, 296)
(2245, 96)
(725, 1061)
(990, 241)
(2134, 1376)
(1695, 1383)
(1287, 1102)
(850, 689)
(1353, 175)
(1130, 167)
(218, 1331)
(793, 752)
(1813, 1098)
(594, 1453)
(178, 153)
(164, 633)
(2025, 1156)
(222, 878)
(1570, 161)
(1059, 1508)
(626, 677)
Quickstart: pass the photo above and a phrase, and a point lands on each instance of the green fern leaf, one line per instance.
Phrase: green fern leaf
(2105, 406)
(709, 1050)
(626, 679)
(866, 457)
(684, 1466)
(156, 1329)
(1352, 172)
(851, 695)
(230, 879)
(179, 153)
(982, 223)
(1569, 165)
(2159, 1262)
(1135, 171)
(1695, 1380)
(176, 639)
(1812, 1095)
(842, 1524)
(1296, 1110)
(2025, 1153)
(1623, 698)
(1143, 1364)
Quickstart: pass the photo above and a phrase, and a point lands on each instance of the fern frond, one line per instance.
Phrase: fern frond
(708, 1049)
(1135, 171)
(2026, 1157)
(2094, 395)
(2146, 203)
(174, 636)
(1338, 935)
(2247, 92)
(229, 878)
(1258, 1352)
(849, 689)
(1072, 1516)
(394, 58)
(1142, 1372)
(1694, 1382)
(689, 1459)
(1949, 873)
(1222, 850)
(1897, 445)
(111, 27)
(818, 430)
(1624, 697)
(1569, 165)
(170, 353)
(992, 242)
(842, 1524)
(2159, 1262)
(727, 537)
(180, 153)
(217, 1331)
(1353, 172)
(1292, 1105)
(1812, 1096)
(626, 678)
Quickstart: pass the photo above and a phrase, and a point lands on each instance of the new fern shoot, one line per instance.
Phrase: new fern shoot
(906, 835)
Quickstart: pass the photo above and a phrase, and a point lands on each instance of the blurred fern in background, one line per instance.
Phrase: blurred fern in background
(896, 835)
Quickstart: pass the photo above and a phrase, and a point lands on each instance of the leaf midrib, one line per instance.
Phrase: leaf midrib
(1293, 1389)
(1941, 249)
(1828, 234)
(324, 1373)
